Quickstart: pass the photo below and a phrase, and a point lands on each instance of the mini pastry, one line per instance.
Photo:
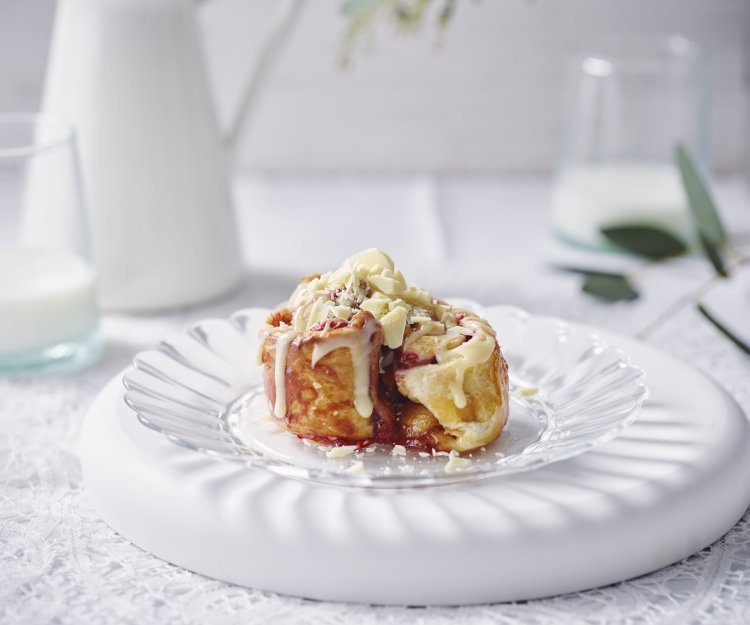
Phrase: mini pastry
(359, 356)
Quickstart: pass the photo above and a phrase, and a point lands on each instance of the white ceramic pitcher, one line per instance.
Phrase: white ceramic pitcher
(130, 76)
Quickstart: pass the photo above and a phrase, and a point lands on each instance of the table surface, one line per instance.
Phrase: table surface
(485, 239)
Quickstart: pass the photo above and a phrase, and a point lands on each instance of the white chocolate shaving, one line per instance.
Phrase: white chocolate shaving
(526, 391)
(393, 327)
(342, 312)
(366, 281)
(341, 452)
(356, 467)
(456, 463)
(318, 312)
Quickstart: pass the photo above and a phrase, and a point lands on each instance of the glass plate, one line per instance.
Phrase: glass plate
(570, 391)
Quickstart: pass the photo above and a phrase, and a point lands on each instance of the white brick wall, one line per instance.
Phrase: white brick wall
(487, 100)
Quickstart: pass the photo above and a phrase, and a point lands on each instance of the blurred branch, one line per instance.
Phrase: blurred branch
(403, 15)
(723, 329)
(267, 51)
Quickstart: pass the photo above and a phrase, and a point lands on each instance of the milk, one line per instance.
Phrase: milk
(46, 298)
(586, 198)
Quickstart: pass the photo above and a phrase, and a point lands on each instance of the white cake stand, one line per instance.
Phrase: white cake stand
(672, 483)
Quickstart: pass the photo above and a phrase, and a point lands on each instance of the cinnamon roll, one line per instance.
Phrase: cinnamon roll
(359, 357)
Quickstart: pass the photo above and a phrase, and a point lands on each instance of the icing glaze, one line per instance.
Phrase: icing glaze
(282, 349)
(463, 357)
(359, 345)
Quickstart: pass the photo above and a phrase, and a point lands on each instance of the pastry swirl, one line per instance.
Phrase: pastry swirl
(360, 357)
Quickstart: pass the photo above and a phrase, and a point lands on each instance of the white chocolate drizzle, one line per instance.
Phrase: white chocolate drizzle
(463, 357)
(282, 349)
(359, 346)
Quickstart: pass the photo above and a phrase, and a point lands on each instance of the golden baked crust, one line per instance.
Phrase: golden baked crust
(362, 357)
(320, 402)
(431, 419)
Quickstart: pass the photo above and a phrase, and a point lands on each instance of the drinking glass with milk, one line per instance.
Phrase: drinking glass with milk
(627, 110)
(48, 310)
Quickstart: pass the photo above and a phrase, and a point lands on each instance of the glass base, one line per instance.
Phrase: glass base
(69, 356)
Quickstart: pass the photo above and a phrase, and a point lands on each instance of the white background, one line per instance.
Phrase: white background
(487, 100)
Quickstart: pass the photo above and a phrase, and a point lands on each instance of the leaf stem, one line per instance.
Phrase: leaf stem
(722, 328)
(686, 299)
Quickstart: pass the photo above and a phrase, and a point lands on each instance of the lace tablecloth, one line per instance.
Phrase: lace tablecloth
(59, 563)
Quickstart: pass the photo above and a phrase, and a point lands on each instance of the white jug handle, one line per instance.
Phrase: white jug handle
(265, 55)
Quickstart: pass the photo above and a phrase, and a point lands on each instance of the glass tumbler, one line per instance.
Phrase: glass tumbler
(627, 110)
(48, 309)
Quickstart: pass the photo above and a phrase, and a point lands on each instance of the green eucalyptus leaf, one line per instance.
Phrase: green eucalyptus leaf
(702, 207)
(581, 270)
(611, 287)
(647, 241)
(713, 254)
(723, 329)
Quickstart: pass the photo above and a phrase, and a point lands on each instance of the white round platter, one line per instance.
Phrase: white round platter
(671, 483)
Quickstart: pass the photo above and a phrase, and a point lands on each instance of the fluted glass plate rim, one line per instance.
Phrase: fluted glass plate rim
(204, 423)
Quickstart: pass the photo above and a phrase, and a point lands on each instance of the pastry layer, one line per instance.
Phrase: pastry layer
(361, 357)
(321, 378)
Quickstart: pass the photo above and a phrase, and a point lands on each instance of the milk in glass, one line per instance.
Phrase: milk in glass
(46, 298)
(586, 198)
